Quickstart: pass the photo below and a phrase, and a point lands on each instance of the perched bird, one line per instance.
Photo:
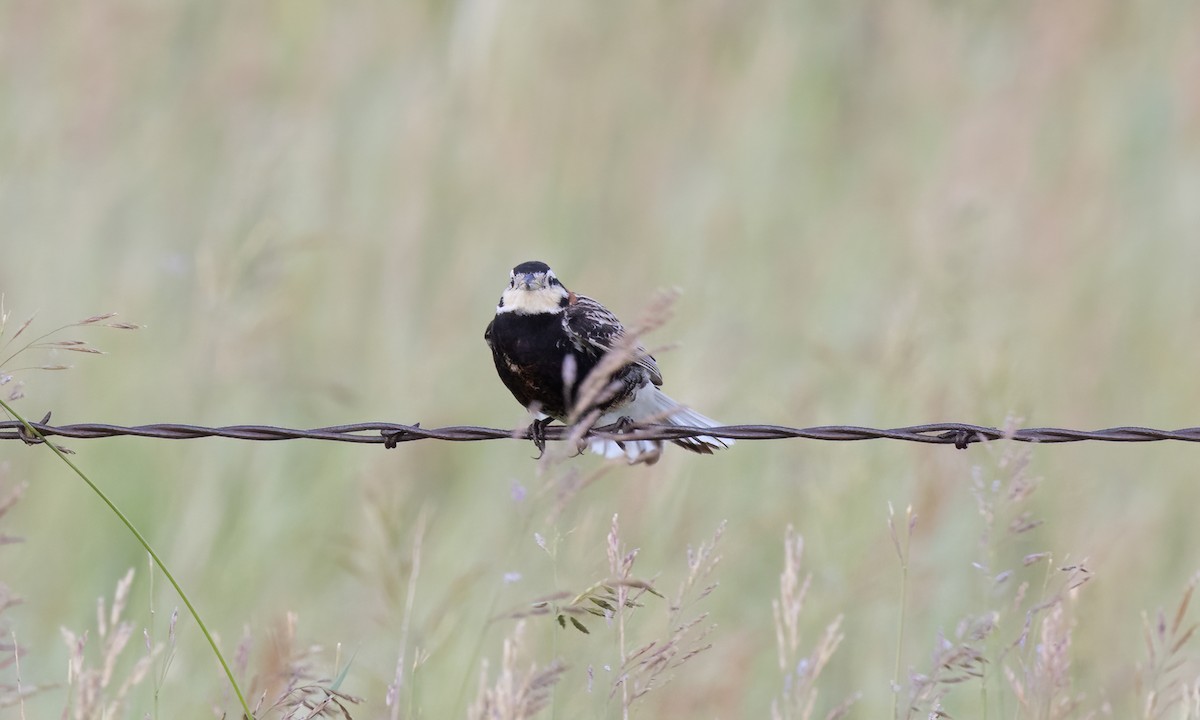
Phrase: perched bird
(545, 341)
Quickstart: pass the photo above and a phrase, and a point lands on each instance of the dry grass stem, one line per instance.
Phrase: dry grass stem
(96, 690)
(1162, 681)
(395, 688)
(520, 691)
(1043, 688)
(800, 673)
(14, 693)
(620, 564)
(1034, 662)
(652, 665)
(289, 677)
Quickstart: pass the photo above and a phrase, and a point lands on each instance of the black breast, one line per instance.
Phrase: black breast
(529, 351)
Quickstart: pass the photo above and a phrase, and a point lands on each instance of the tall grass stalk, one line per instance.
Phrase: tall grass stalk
(394, 691)
(902, 553)
(17, 662)
(619, 564)
(145, 545)
(462, 705)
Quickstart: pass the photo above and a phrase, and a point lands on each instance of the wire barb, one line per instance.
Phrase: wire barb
(960, 435)
(27, 437)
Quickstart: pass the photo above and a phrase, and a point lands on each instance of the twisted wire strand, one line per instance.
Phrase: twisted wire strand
(958, 434)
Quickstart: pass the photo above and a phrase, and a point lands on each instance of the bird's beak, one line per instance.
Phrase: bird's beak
(530, 281)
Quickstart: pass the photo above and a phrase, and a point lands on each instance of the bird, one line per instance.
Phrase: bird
(546, 340)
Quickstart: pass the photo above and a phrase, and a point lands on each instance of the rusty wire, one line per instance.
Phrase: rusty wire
(958, 434)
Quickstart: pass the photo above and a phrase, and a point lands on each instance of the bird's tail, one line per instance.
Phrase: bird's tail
(635, 451)
(652, 405)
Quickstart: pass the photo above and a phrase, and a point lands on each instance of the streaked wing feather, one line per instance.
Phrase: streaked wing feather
(593, 325)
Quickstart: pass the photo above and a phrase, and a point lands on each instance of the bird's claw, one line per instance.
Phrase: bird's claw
(624, 424)
(537, 433)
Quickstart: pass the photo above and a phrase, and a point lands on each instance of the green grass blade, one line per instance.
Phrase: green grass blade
(145, 545)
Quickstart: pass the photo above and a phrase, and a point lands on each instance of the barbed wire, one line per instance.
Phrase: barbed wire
(960, 435)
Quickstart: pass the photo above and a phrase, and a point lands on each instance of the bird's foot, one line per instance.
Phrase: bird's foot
(537, 433)
(624, 424)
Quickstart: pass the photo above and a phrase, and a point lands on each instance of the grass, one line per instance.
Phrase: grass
(877, 215)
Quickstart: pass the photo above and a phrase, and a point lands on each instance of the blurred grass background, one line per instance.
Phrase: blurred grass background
(879, 213)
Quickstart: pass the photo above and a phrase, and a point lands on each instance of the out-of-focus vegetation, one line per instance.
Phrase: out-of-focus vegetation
(879, 214)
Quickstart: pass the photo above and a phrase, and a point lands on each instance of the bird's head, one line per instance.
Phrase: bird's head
(533, 289)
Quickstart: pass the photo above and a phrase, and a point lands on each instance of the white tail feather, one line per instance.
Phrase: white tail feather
(634, 451)
(652, 405)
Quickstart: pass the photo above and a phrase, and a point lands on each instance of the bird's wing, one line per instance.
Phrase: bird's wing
(594, 328)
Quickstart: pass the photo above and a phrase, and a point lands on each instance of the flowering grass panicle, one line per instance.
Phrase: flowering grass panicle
(1167, 681)
(10, 349)
(290, 679)
(800, 673)
(521, 690)
(97, 689)
(688, 630)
